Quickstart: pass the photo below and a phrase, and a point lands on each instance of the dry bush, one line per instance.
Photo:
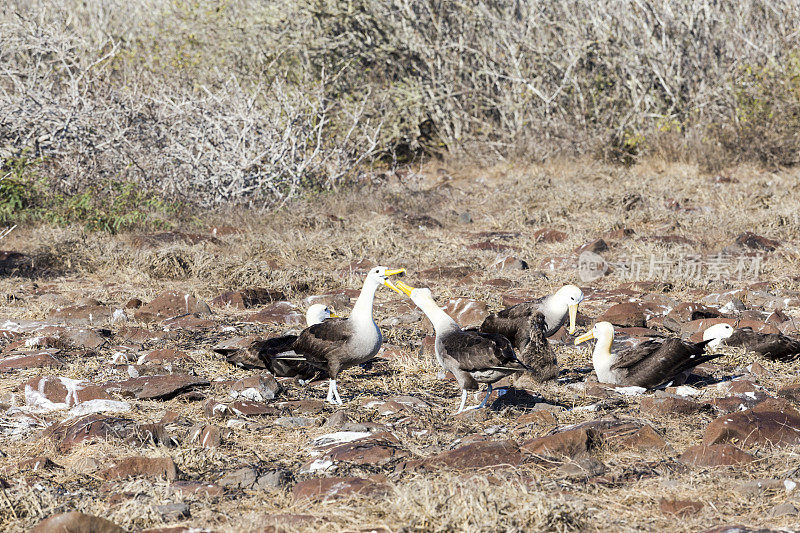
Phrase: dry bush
(253, 102)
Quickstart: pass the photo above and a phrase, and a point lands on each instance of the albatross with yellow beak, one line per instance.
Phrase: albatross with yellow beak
(654, 362)
(513, 321)
(472, 356)
(340, 343)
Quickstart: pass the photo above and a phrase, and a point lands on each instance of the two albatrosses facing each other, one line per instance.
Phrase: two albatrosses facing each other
(472, 356)
(773, 346)
(517, 324)
(654, 362)
(340, 343)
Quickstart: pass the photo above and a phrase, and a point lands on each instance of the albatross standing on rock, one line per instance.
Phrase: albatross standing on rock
(654, 362)
(340, 343)
(472, 356)
(773, 346)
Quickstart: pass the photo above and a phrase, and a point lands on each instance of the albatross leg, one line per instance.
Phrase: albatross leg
(336, 392)
(485, 398)
(463, 400)
(331, 385)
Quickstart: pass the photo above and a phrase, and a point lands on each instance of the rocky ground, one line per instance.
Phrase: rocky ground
(119, 400)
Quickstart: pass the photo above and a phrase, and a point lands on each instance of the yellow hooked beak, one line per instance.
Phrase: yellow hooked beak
(573, 312)
(405, 288)
(332, 313)
(392, 272)
(589, 335)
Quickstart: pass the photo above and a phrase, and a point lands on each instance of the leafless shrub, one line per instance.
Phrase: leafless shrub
(252, 102)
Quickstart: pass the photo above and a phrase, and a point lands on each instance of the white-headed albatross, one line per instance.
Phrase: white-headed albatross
(340, 343)
(654, 362)
(472, 356)
(513, 322)
(278, 353)
(773, 346)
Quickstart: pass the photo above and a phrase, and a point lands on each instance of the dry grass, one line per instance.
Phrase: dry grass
(306, 247)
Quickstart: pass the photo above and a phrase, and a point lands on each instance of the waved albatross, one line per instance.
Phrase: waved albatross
(340, 343)
(512, 322)
(278, 354)
(472, 356)
(654, 362)
(773, 346)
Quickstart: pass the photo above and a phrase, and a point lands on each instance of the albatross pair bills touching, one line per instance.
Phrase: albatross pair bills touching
(487, 354)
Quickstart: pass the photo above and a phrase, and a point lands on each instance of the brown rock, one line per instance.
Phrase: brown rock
(31, 359)
(75, 522)
(790, 392)
(770, 422)
(156, 387)
(596, 246)
(169, 304)
(331, 488)
(61, 390)
(133, 303)
(89, 314)
(571, 443)
(669, 406)
(466, 311)
(680, 507)
(250, 408)
(549, 235)
(750, 240)
(87, 429)
(259, 388)
(207, 436)
(373, 450)
(479, 454)
(280, 313)
(492, 247)
(715, 455)
(157, 468)
(626, 314)
(247, 298)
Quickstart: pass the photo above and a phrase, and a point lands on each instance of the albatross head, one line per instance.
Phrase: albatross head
(423, 297)
(318, 313)
(567, 299)
(602, 331)
(717, 333)
(379, 276)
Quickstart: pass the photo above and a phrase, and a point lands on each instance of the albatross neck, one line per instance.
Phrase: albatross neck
(555, 312)
(442, 322)
(362, 310)
(602, 351)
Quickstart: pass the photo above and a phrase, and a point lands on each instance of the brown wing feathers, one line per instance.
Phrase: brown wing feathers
(772, 346)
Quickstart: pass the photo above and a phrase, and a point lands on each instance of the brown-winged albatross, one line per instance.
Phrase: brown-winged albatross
(773, 346)
(280, 358)
(654, 362)
(512, 322)
(340, 343)
(471, 355)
